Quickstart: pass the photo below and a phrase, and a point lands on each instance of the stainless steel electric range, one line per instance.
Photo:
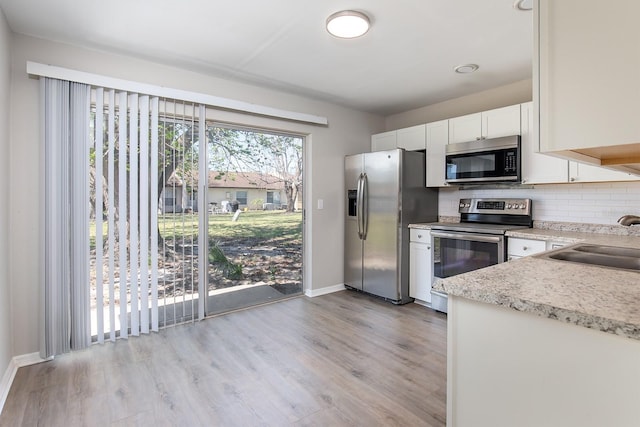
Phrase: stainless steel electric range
(477, 241)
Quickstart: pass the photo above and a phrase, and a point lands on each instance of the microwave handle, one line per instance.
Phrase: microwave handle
(470, 237)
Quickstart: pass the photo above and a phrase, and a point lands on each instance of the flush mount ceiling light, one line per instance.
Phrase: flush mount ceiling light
(466, 68)
(348, 24)
(524, 5)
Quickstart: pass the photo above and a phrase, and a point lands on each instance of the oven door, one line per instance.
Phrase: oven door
(457, 252)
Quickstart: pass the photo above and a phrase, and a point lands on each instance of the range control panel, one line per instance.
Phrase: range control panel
(495, 206)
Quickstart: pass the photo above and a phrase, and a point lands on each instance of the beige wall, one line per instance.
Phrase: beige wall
(6, 351)
(514, 93)
(348, 132)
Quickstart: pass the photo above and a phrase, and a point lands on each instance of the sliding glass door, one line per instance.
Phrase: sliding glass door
(255, 217)
(181, 209)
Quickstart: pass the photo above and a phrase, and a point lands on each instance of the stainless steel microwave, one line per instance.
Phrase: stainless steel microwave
(487, 160)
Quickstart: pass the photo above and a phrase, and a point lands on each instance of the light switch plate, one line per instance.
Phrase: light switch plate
(320, 204)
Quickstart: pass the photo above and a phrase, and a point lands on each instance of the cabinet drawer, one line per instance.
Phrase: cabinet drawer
(420, 235)
(524, 247)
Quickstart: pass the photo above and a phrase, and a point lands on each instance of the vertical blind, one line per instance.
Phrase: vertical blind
(145, 270)
(122, 174)
(65, 120)
(117, 262)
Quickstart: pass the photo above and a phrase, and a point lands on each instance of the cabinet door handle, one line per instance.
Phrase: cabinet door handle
(428, 247)
(419, 236)
(524, 248)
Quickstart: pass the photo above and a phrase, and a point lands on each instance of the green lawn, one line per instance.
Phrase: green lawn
(261, 225)
(267, 226)
(261, 246)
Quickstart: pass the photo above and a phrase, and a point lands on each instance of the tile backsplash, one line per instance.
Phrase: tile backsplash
(592, 203)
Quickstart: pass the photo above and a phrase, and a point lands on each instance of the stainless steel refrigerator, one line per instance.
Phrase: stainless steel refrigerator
(385, 193)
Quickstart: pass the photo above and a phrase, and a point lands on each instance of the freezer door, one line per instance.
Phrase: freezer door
(353, 243)
(380, 253)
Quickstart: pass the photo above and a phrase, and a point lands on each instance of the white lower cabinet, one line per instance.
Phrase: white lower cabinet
(551, 245)
(512, 368)
(517, 247)
(420, 265)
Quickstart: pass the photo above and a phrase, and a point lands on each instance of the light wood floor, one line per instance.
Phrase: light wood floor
(338, 359)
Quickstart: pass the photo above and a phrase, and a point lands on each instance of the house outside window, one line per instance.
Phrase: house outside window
(241, 197)
(273, 197)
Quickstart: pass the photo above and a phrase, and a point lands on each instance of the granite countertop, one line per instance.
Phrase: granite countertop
(423, 225)
(595, 297)
(563, 236)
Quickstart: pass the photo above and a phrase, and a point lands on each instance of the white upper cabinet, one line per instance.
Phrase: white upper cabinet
(437, 140)
(586, 79)
(384, 141)
(581, 172)
(503, 121)
(465, 128)
(494, 123)
(538, 168)
(411, 139)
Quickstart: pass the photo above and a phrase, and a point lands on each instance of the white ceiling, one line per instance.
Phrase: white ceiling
(405, 61)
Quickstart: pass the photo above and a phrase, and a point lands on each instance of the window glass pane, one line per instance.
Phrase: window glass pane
(241, 197)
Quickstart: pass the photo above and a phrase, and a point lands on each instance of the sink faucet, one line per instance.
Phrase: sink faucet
(629, 220)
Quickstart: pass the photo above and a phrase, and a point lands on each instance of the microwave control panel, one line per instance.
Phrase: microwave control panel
(510, 162)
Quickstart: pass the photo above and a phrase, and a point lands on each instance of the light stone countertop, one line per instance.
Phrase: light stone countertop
(564, 236)
(595, 297)
(421, 226)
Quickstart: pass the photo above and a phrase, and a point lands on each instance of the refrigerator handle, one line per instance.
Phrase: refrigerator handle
(359, 205)
(365, 206)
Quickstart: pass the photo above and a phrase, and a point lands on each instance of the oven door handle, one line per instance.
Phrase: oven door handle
(470, 237)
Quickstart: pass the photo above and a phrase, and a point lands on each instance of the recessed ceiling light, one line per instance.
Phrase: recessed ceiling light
(466, 68)
(524, 5)
(348, 24)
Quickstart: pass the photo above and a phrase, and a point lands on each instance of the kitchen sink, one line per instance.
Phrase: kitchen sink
(600, 255)
(608, 250)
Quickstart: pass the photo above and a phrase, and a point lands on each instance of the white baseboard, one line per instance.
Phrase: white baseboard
(12, 369)
(323, 291)
(7, 380)
(29, 359)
